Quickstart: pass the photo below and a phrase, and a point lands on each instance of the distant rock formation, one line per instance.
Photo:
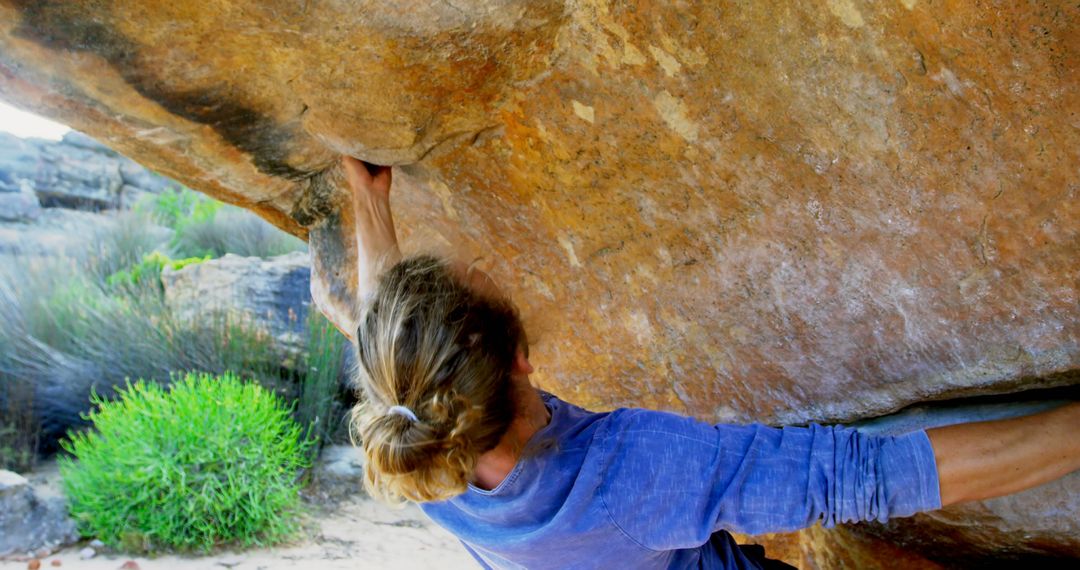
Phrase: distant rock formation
(76, 172)
(269, 295)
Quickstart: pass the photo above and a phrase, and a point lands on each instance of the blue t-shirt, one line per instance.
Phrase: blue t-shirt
(637, 488)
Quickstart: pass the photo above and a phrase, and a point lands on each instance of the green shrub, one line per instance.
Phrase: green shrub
(213, 461)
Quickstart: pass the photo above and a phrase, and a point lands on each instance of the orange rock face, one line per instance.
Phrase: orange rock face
(816, 548)
(785, 211)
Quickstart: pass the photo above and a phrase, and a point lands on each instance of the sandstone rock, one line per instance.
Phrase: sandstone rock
(270, 295)
(77, 172)
(817, 548)
(29, 521)
(740, 211)
(825, 549)
(855, 205)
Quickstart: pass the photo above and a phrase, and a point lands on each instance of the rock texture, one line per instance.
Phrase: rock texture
(76, 172)
(270, 295)
(817, 548)
(29, 521)
(771, 211)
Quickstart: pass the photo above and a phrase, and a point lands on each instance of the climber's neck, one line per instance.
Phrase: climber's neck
(532, 415)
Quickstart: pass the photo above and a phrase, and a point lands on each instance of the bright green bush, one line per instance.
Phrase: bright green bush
(213, 461)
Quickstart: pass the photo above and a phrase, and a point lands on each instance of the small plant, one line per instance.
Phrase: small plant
(210, 462)
(317, 405)
(118, 244)
(177, 206)
(149, 269)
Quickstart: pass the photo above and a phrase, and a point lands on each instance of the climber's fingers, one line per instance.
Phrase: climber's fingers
(364, 177)
(381, 178)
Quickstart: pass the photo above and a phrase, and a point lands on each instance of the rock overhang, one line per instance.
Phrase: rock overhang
(850, 202)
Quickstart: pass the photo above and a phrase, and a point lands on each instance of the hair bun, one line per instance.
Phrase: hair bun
(446, 350)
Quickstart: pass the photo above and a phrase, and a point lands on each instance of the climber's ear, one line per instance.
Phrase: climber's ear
(521, 363)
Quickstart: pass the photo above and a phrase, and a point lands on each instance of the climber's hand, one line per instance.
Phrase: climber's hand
(366, 179)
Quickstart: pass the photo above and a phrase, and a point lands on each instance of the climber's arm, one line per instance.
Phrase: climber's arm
(989, 459)
(376, 240)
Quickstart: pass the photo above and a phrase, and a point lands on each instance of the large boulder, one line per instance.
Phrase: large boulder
(75, 172)
(30, 521)
(269, 295)
(744, 211)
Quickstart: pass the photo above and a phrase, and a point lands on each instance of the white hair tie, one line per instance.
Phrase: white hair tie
(403, 411)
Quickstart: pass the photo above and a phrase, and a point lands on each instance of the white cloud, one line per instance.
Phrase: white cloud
(23, 124)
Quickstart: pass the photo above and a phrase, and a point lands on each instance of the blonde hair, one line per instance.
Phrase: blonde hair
(428, 342)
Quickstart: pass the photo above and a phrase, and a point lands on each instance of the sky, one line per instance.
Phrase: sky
(23, 124)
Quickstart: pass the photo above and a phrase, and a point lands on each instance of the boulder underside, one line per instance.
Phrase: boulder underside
(781, 212)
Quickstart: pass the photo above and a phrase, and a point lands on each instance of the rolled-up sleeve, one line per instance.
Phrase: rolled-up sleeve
(670, 482)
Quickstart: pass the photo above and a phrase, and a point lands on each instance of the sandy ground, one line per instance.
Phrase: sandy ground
(353, 534)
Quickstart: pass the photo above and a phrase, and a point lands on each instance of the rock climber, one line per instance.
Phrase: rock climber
(449, 420)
